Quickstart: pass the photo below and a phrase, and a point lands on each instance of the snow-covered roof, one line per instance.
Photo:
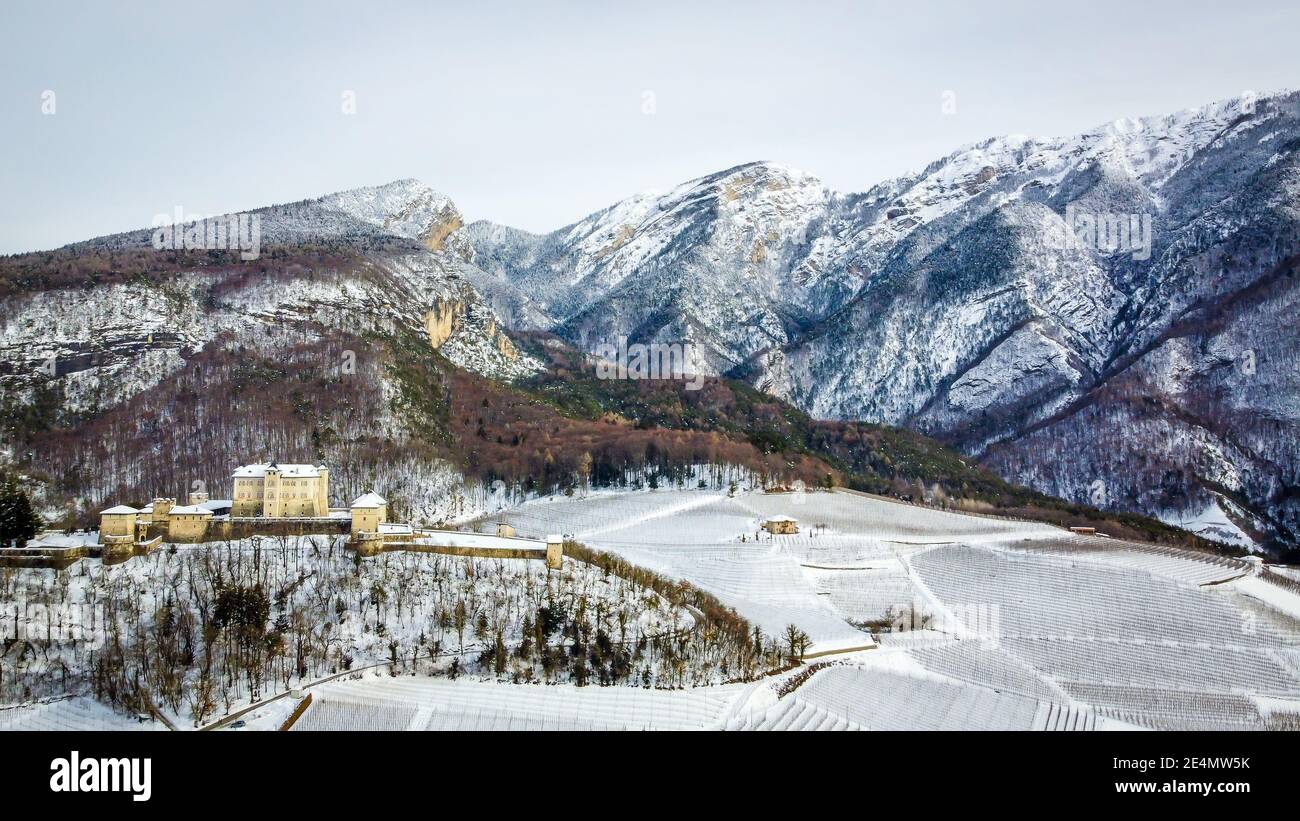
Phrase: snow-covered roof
(216, 504)
(369, 500)
(394, 528)
(118, 510)
(62, 540)
(780, 519)
(287, 471)
(190, 510)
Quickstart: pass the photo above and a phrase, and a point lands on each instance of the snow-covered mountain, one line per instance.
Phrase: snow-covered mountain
(1146, 363)
(111, 341)
(1104, 317)
(723, 261)
(128, 371)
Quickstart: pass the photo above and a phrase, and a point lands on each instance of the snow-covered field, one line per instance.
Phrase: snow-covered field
(1005, 623)
(412, 703)
(71, 714)
(918, 619)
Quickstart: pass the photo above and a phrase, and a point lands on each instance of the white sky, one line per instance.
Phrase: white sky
(531, 114)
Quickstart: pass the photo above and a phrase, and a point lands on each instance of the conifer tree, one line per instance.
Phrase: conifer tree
(18, 521)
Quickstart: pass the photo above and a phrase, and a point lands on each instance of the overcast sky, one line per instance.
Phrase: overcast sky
(535, 114)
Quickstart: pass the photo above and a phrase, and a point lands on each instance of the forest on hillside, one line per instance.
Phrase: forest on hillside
(198, 631)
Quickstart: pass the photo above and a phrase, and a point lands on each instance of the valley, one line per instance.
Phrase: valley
(914, 619)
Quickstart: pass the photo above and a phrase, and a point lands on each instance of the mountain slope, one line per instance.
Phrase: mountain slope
(718, 261)
(111, 316)
(969, 302)
(356, 340)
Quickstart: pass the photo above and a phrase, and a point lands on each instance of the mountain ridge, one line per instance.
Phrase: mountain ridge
(829, 320)
(942, 300)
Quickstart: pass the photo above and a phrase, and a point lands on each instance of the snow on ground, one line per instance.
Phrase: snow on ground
(451, 538)
(413, 703)
(1284, 570)
(873, 699)
(55, 539)
(342, 613)
(70, 714)
(1272, 595)
(976, 623)
(1212, 523)
(1065, 630)
(697, 535)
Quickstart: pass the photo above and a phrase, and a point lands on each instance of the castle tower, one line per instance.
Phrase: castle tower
(272, 496)
(161, 508)
(323, 491)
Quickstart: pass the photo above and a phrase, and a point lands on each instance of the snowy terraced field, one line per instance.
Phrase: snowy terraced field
(70, 714)
(1170, 709)
(1057, 597)
(1180, 565)
(875, 699)
(1083, 632)
(975, 662)
(432, 704)
(864, 594)
(1289, 572)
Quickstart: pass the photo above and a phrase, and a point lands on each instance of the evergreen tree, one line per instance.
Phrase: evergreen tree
(18, 521)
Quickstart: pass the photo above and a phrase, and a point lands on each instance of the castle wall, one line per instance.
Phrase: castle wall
(187, 527)
(117, 524)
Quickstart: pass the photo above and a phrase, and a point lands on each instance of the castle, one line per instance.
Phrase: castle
(281, 491)
(275, 499)
(266, 495)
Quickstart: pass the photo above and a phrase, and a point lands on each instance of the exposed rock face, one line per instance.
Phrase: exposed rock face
(714, 261)
(100, 346)
(405, 208)
(440, 321)
(1149, 358)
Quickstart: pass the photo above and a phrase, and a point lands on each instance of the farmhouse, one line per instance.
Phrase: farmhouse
(781, 525)
(275, 491)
